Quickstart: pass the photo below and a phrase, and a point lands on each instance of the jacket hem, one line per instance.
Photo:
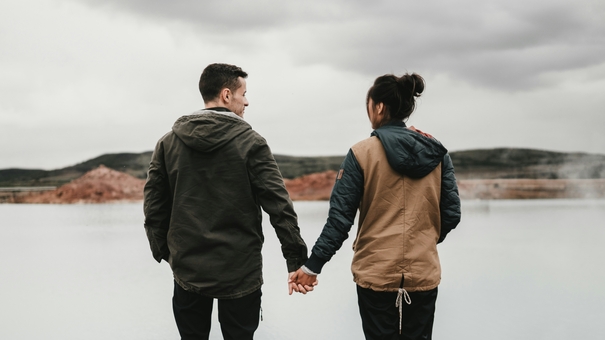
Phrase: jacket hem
(376, 288)
(191, 288)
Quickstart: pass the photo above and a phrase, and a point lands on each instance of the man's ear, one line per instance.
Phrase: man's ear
(225, 95)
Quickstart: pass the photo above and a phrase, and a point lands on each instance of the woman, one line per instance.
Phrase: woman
(402, 182)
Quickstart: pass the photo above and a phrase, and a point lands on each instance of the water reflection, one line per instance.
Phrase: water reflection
(513, 269)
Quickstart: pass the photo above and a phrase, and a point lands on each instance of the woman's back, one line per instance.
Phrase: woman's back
(399, 216)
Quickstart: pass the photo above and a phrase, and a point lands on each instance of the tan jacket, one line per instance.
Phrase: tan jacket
(399, 225)
(404, 187)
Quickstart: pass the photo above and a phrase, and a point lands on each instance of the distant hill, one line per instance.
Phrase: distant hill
(135, 164)
(470, 164)
(293, 167)
(527, 163)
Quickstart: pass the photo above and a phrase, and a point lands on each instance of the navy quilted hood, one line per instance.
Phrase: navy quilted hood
(409, 152)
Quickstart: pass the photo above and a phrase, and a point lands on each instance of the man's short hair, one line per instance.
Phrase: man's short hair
(216, 77)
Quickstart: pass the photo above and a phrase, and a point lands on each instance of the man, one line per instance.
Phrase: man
(208, 180)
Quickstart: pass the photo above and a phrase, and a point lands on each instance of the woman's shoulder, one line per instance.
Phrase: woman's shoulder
(368, 143)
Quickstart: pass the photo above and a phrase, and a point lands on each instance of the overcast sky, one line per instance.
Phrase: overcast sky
(80, 78)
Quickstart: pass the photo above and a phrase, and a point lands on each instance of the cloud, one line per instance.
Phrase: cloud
(500, 44)
(222, 17)
(85, 77)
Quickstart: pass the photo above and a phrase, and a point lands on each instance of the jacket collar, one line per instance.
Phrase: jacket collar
(219, 110)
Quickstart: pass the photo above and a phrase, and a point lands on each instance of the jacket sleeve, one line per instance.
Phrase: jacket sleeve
(268, 186)
(449, 205)
(157, 205)
(344, 202)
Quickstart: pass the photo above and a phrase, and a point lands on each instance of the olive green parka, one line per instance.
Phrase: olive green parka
(207, 182)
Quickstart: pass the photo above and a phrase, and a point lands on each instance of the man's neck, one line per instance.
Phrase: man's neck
(217, 108)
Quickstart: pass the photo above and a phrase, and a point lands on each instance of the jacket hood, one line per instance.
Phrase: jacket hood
(208, 130)
(408, 152)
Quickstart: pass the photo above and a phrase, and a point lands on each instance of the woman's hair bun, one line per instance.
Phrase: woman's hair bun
(411, 83)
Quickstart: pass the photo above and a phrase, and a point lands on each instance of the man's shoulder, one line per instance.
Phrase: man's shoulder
(167, 136)
(252, 135)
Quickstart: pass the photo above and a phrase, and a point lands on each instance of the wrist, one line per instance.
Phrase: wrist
(308, 271)
(315, 263)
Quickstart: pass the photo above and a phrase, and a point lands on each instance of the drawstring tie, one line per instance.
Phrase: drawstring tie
(401, 295)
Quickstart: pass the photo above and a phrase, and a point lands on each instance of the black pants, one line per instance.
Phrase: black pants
(380, 317)
(193, 314)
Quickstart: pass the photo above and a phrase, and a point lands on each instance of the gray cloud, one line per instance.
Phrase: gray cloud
(223, 17)
(501, 44)
(130, 68)
(500, 47)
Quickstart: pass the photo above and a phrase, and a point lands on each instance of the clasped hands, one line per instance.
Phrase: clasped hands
(300, 282)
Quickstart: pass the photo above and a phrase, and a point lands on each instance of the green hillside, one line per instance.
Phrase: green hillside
(479, 164)
(132, 163)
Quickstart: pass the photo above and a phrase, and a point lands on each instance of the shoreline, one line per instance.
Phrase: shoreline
(109, 186)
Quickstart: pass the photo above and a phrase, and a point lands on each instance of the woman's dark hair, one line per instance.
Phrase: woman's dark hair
(216, 77)
(398, 94)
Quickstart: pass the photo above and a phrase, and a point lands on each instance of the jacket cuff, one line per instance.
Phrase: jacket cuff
(293, 265)
(315, 263)
(307, 271)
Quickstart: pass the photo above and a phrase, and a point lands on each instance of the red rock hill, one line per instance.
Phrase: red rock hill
(312, 187)
(103, 184)
(99, 185)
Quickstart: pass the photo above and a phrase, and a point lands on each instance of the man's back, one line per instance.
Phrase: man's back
(207, 182)
(218, 171)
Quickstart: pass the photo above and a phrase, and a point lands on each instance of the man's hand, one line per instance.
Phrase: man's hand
(300, 282)
(420, 132)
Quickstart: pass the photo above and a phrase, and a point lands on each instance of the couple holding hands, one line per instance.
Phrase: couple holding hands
(211, 175)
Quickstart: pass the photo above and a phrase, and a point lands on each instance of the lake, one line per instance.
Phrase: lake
(527, 269)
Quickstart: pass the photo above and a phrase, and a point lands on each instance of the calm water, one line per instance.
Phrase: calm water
(512, 270)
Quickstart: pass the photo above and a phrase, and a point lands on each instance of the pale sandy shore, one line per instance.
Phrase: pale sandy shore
(531, 188)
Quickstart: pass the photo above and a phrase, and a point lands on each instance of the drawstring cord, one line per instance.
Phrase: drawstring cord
(401, 295)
